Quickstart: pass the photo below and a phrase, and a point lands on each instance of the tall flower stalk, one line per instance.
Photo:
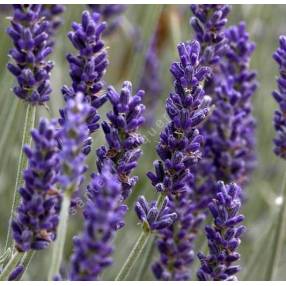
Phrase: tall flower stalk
(103, 214)
(73, 135)
(32, 71)
(179, 150)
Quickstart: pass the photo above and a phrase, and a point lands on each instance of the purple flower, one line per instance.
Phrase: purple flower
(52, 13)
(36, 220)
(229, 151)
(151, 82)
(74, 139)
(280, 97)
(208, 23)
(152, 217)
(121, 134)
(31, 48)
(223, 236)
(179, 151)
(103, 214)
(89, 65)
(110, 13)
(16, 273)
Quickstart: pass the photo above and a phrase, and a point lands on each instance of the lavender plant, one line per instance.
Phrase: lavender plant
(121, 134)
(223, 236)
(179, 150)
(103, 215)
(31, 48)
(36, 220)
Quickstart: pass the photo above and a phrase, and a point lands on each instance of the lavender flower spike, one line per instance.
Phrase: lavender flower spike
(121, 133)
(102, 215)
(180, 150)
(110, 13)
(30, 51)
(224, 236)
(280, 97)
(152, 217)
(230, 130)
(74, 138)
(89, 65)
(36, 220)
(52, 13)
(208, 23)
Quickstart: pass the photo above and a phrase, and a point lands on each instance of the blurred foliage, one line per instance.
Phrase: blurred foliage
(265, 23)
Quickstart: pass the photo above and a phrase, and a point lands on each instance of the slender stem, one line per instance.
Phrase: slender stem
(11, 265)
(137, 249)
(58, 246)
(29, 123)
(133, 256)
(146, 260)
(8, 123)
(26, 262)
(279, 236)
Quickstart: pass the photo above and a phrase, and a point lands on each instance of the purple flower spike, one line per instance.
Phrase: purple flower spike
(121, 133)
(280, 97)
(74, 139)
(151, 82)
(36, 220)
(230, 130)
(89, 65)
(180, 150)
(223, 236)
(51, 13)
(103, 215)
(110, 13)
(152, 217)
(31, 48)
(208, 23)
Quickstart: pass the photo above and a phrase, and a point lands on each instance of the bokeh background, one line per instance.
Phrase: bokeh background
(126, 48)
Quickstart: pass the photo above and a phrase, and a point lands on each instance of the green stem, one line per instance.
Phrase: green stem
(279, 236)
(146, 260)
(29, 123)
(58, 246)
(26, 262)
(8, 124)
(10, 266)
(133, 256)
(137, 249)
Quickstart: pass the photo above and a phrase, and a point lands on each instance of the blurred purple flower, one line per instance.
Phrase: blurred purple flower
(103, 215)
(121, 134)
(151, 82)
(52, 13)
(110, 13)
(73, 139)
(16, 273)
(229, 152)
(31, 48)
(36, 220)
(280, 97)
(223, 236)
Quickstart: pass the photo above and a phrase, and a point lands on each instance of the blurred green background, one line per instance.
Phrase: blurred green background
(265, 23)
